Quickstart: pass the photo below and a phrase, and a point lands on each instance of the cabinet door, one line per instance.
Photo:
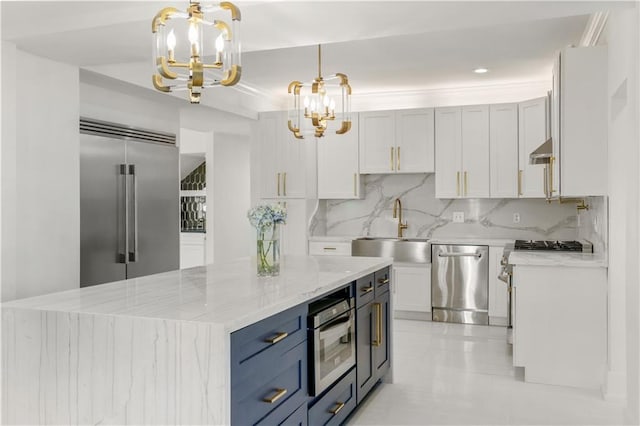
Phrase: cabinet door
(293, 161)
(475, 151)
(448, 145)
(498, 293)
(412, 288)
(270, 173)
(556, 135)
(377, 145)
(382, 344)
(338, 164)
(532, 132)
(503, 147)
(415, 141)
(364, 338)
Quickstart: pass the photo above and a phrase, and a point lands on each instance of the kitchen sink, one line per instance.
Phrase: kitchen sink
(410, 250)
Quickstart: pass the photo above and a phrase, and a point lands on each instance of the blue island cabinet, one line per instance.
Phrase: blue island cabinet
(269, 371)
(270, 364)
(372, 330)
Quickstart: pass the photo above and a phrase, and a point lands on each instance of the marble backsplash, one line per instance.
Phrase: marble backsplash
(429, 217)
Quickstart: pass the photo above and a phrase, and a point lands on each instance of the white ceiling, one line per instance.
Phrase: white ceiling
(383, 47)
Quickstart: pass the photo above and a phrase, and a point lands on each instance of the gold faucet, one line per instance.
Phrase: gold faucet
(397, 213)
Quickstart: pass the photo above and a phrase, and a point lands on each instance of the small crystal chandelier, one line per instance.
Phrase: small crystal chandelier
(194, 53)
(319, 105)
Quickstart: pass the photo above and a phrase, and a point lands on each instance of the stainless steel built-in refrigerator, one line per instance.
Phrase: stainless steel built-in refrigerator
(460, 283)
(129, 202)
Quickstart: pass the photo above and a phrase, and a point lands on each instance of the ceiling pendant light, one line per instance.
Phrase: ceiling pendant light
(318, 108)
(193, 53)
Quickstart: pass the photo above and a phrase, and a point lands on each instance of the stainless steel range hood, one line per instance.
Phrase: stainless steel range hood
(542, 154)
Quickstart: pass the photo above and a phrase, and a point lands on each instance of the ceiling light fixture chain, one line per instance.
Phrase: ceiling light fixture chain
(194, 52)
(319, 106)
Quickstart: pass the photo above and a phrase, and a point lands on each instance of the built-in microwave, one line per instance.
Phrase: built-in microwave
(332, 345)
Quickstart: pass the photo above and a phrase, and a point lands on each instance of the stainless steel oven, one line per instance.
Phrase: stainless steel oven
(332, 326)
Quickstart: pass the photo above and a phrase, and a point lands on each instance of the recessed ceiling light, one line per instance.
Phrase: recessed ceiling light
(480, 70)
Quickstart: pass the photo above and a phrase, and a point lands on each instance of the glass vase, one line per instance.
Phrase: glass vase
(268, 245)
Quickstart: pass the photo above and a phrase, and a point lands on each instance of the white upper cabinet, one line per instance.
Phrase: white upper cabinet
(397, 141)
(462, 152)
(503, 147)
(448, 151)
(532, 132)
(580, 108)
(475, 151)
(282, 159)
(415, 141)
(338, 164)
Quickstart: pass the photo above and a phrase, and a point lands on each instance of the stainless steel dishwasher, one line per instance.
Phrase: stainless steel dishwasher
(460, 283)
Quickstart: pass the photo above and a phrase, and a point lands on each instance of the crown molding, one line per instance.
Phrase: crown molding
(593, 30)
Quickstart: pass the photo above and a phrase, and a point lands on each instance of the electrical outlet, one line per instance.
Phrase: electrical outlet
(458, 217)
(516, 218)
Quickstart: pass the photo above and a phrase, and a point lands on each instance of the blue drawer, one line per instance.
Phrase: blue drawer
(283, 331)
(382, 281)
(281, 377)
(334, 407)
(282, 416)
(364, 290)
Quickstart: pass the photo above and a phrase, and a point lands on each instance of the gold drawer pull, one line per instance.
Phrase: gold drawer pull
(366, 289)
(339, 406)
(277, 338)
(329, 248)
(378, 311)
(276, 396)
(383, 281)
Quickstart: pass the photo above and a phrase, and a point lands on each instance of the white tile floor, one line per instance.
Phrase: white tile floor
(462, 374)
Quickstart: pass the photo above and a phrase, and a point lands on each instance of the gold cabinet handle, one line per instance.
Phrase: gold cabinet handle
(545, 183)
(339, 406)
(391, 164)
(383, 281)
(277, 337)
(278, 184)
(329, 248)
(551, 190)
(465, 183)
(284, 184)
(398, 158)
(366, 290)
(519, 182)
(276, 396)
(355, 184)
(458, 184)
(378, 311)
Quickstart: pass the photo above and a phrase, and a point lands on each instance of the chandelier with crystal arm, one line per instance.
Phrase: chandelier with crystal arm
(191, 52)
(318, 108)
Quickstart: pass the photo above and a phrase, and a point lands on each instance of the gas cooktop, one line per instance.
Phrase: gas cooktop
(554, 245)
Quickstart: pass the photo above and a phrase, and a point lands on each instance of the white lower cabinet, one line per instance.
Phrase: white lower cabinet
(412, 288)
(192, 249)
(498, 291)
(560, 324)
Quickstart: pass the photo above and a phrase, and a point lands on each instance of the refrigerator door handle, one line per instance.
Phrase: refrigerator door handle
(123, 219)
(132, 238)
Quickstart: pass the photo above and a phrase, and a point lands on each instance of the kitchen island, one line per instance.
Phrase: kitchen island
(149, 350)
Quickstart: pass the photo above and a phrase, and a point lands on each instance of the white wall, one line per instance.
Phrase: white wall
(622, 39)
(41, 196)
(231, 188)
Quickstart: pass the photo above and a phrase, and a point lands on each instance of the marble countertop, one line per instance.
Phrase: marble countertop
(228, 294)
(438, 240)
(552, 258)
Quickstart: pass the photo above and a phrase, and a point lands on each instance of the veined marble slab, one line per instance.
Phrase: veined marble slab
(552, 258)
(150, 350)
